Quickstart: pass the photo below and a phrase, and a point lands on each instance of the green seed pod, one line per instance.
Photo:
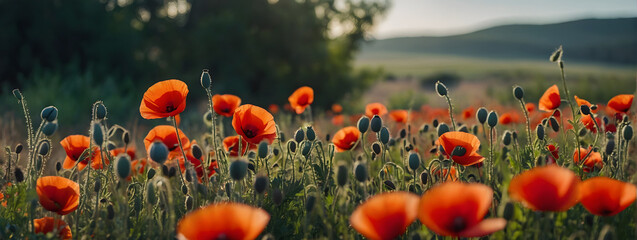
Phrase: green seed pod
(435, 123)
(518, 92)
(384, 135)
(49, 128)
(277, 196)
(196, 151)
(376, 123)
(584, 109)
(610, 147)
(58, 166)
(363, 124)
(123, 166)
(506, 138)
(188, 174)
(424, 177)
(18, 174)
(442, 129)
(309, 203)
(98, 185)
(556, 56)
(474, 129)
(158, 152)
(206, 80)
(188, 203)
(17, 94)
(310, 134)
(481, 115)
(184, 189)
(151, 173)
(100, 111)
(44, 147)
(263, 149)
(307, 147)
(414, 161)
(49, 114)
(126, 137)
(341, 175)
(98, 134)
(361, 172)
(628, 133)
(110, 212)
(389, 185)
(441, 89)
(403, 133)
(540, 132)
(376, 148)
(299, 135)
(292, 146)
(238, 169)
(507, 213)
(261, 183)
(18, 148)
(492, 119)
(554, 124)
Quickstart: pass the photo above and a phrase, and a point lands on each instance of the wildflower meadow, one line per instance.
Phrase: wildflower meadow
(557, 167)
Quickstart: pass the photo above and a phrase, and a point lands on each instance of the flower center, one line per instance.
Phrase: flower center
(458, 224)
(170, 108)
(250, 131)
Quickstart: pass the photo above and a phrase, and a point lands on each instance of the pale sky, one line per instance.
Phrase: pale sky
(448, 17)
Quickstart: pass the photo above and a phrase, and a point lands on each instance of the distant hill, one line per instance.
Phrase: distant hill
(590, 40)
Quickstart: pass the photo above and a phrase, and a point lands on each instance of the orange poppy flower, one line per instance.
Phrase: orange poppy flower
(530, 107)
(551, 99)
(225, 105)
(375, 109)
(74, 146)
(254, 124)
(508, 118)
(273, 108)
(223, 220)
(48, 224)
(621, 103)
(553, 150)
(130, 151)
(167, 135)
(458, 209)
(337, 108)
(139, 166)
(301, 99)
(338, 120)
(468, 113)
(231, 145)
(604, 196)
(197, 164)
(546, 188)
(581, 102)
(467, 144)
(58, 194)
(592, 162)
(452, 176)
(164, 99)
(589, 124)
(386, 215)
(346, 138)
(400, 116)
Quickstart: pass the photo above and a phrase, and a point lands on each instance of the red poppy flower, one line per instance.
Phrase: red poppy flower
(610, 128)
(58, 194)
(337, 108)
(164, 99)
(467, 147)
(225, 105)
(273, 108)
(254, 124)
(74, 146)
(400, 116)
(468, 113)
(621, 103)
(386, 215)
(338, 120)
(458, 209)
(589, 124)
(130, 151)
(546, 188)
(581, 102)
(231, 145)
(530, 107)
(508, 118)
(198, 166)
(167, 135)
(452, 176)
(592, 162)
(375, 109)
(48, 224)
(604, 196)
(223, 221)
(301, 99)
(551, 99)
(139, 166)
(346, 138)
(553, 150)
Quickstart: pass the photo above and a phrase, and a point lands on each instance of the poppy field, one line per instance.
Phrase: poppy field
(557, 167)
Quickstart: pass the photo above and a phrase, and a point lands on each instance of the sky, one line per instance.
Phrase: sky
(449, 17)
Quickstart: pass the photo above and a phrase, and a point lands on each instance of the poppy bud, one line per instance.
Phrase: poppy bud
(263, 149)
(424, 128)
(363, 124)
(414, 161)
(481, 115)
(98, 134)
(58, 166)
(49, 114)
(376, 123)
(474, 129)
(507, 213)
(361, 172)
(306, 149)
(123, 166)
(514, 135)
(110, 145)
(196, 151)
(557, 55)
(610, 147)
(327, 137)
(228, 188)
(403, 133)
(206, 80)
(172, 172)
(277, 196)
(44, 147)
(110, 212)
(188, 203)
(275, 151)
(605, 119)
(554, 124)
(424, 177)
(207, 118)
(341, 175)
(261, 183)
(309, 203)
(625, 118)
(389, 185)
(464, 128)
(100, 111)
(518, 92)
(584, 109)
(49, 128)
(384, 135)
(442, 129)
(126, 137)
(376, 148)
(582, 132)
(19, 175)
(98, 185)
(506, 138)
(292, 146)
(435, 123)
(540, 132)
(18, 148)
(310, 134)
(441, 89)
(238, 169)
(184, 189)
(628, 133)
(299, 135)
(17, 94)
(158, 152)
(492, 119)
